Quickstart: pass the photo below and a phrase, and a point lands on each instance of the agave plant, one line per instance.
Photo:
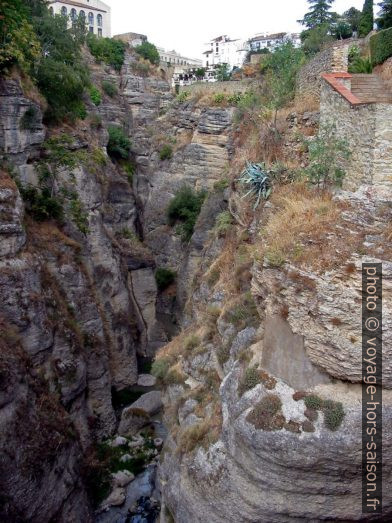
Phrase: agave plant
(257, 176)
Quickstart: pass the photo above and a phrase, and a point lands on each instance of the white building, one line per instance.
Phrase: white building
(172, 58)
(224, 50)
(96, 13)
(272, 41)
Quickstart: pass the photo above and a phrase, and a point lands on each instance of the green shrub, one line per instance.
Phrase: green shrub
(333, 414)
(381, 46)
(79, 215)
(224, 221)
(280, 70)
(141, 68)
(166, 153)
(249, 380)
(234, 99)
(103, 460)
(160, 368)
(95, 95)
(219, 98)
(109, 88)
(183, 96)
(243, 313)
(41, 205)
(223, 73)
(164, 278)
(63, 86)
(119, 145)
(149, 52)
(185, 207)
(327, 154)
(313, 402)
(98, 157)
(333, 411)
(107, 50)
(361, 66)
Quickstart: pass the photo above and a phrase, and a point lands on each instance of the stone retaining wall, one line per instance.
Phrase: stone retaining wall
(309, 78)
(367, 131)
(230, 87)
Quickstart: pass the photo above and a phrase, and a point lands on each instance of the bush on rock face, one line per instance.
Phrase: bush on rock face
(109, 88)
(95, 96)
(149, 52)
(185, 208)
(266, 414)
(164, 278)
(119, 145)
(333, 411)
(166, 152)
(250, 379)
(107, 50)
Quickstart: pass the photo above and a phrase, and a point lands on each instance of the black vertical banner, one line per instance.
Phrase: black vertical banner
(372, 388)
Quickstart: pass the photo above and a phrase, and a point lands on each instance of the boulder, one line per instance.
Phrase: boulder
(122, 478)
(137, 415)
(146, 380)
(119, 442)
(115, 499)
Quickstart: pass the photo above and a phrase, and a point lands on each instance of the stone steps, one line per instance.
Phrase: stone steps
(370, 88)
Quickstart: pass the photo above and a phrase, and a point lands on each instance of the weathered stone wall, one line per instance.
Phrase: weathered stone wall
(328, 61)
(356, 125)
(366, 129)
(230, 87)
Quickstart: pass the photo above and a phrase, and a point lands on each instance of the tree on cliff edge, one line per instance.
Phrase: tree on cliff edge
(367, 18)
(319, 14)
(385, 19)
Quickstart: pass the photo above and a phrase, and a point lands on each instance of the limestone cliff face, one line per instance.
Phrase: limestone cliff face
(258, 340)
(79, 296)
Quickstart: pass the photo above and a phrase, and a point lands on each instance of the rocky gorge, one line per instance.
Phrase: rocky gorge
(257, 358)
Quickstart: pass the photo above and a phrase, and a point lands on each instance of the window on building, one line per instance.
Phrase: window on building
(82, 14)
(91, 19)
(99, 20)
(64, 11)
(91, 29)
(73, 14)
(99, 32)
(51, 10)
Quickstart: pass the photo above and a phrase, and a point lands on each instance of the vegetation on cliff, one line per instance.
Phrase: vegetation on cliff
(48, 50)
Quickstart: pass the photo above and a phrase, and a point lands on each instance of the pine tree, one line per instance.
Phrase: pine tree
(319, 14)
(353, 17)
(385, 19)
(367, 18)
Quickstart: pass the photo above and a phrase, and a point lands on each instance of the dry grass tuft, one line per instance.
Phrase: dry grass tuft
(6, 182)
(204, 433)
(307, 229)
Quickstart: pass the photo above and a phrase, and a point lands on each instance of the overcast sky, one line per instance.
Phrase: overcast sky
(185, 25)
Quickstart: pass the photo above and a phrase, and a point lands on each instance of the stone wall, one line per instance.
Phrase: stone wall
(366, 129)
(330, 60)
(230, 87)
